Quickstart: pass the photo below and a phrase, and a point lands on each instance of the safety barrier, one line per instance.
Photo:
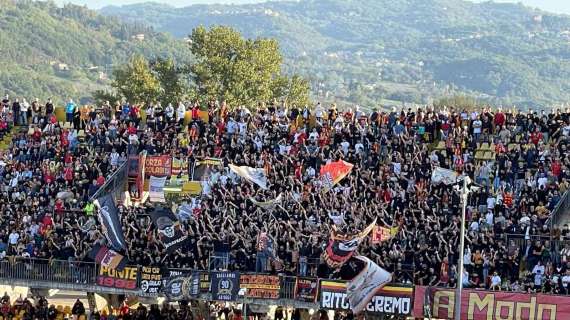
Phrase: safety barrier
(561, 208)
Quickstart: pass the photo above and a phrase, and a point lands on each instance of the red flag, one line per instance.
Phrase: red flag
(333, 172)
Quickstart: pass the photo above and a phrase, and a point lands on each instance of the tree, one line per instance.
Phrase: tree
(136, 82)
(173, 86)
(240, 71)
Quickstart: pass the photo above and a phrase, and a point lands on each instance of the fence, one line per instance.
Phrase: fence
(561, 208)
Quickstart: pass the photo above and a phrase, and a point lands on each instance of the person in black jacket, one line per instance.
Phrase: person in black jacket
(78, 308)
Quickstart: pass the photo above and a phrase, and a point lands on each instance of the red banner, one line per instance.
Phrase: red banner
(158, 166)
(482, 305)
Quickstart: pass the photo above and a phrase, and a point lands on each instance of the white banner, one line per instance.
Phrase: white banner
(444, 175)
(255, 175)
(156, 189)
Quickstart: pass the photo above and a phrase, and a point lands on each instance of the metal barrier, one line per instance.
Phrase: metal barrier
(50, 271)
(116, 184)
(562, 207)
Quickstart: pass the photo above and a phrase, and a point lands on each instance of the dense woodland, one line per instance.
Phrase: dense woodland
(47, 50)
(365, 51)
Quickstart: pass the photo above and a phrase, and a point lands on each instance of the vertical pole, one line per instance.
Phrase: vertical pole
(464, 193)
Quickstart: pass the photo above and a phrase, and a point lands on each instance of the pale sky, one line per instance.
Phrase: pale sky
(557, 6)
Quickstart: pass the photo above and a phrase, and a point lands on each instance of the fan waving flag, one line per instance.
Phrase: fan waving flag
(108, 214)
(255, 175)
(333, 172)
(342, 247)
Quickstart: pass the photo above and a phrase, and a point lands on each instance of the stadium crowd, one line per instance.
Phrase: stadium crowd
(520, 160)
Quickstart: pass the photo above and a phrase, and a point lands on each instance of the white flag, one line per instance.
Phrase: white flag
(156, 189)
(255, 175)
(444, 175)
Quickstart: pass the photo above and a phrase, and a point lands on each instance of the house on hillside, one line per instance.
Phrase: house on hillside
(62, 67)
(139, 37)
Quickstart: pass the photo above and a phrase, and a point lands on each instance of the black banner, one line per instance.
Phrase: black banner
(225, 286)
(169, 229)
(306, 289)
(151, 279)
(174, 288)
(110, 223)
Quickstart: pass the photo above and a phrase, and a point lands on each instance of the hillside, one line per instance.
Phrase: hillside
(70, 51)
(411, 50)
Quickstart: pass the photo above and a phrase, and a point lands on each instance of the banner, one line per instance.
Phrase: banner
(203, 167)
(169, 229)
(176, 168)
(393, 300)
(176, 288)
(333, 172)
(446, 176)
(133, 165)
(255, 175)
(158, 166)
(225, 286)
(267, 204)
(482, 305)
(342, 247)
(156, 189)
(260, 286)
(111, 278)
(380, 234)
(108, 215)
(306, 289)
(151, 280)
(107, 257)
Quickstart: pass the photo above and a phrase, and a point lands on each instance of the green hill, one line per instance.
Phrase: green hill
(69, 52)
(411, 50)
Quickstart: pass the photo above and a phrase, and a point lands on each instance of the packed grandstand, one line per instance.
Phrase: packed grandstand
(52, 169)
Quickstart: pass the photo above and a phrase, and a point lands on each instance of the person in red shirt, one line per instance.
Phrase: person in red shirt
(100, 180)
(499, 118)
(536, 136)
(556, 168)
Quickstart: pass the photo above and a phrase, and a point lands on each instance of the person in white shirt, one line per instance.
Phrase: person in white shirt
(489, 218)
(495, 282)
(344, 146)
(13, 238)
(314, 135)
(24, 107)
(477, 124)
(180, 113)
(169, 111)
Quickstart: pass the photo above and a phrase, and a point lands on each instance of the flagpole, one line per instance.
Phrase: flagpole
(464, 193)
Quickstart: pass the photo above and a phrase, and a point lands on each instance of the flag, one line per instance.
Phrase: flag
(380, 234)
(156, 189)
(176, 167)
(333, 172)
(169, 229)
(108, 215)
(342, 247)
(255, 175)
(267, 204)
(202, 168)
(107, 257)
(444, 175)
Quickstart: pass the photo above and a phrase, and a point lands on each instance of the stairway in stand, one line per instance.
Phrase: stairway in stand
(7, 138)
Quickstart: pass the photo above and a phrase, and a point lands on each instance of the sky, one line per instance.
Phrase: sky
(556, 6)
